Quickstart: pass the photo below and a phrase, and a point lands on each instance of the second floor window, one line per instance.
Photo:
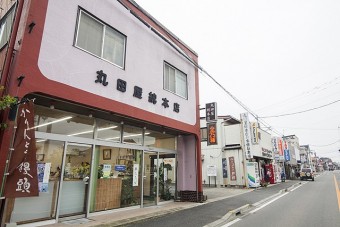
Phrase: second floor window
(6, 27)
(175, 81)
(100, 39)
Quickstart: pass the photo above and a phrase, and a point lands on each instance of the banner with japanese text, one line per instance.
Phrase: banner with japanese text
(22, 180)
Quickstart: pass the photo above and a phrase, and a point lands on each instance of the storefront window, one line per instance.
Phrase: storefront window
(132, 135)
(59, 122)
(117, 182)
(108, 131)
(159, 140)
(49, 161)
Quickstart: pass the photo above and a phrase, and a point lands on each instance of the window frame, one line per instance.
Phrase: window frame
(204, 132)
(102, 44)
(176, 85)
(4, 23)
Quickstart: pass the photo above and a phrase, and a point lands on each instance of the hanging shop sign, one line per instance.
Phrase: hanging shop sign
(212, 134)
(22, 179)
(211, 112)
(246, 135)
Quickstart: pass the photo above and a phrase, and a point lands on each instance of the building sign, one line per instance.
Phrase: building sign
(254, 133)
(246, 135)
(212, 134)
(212, 171)
(232, 168)
(121, 86)
(225, 168)
(211, 112)
(22, 180)
(267, 153)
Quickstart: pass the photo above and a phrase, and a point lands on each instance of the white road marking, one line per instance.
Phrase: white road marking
(266, 204)
(231, 223)
(298, 186)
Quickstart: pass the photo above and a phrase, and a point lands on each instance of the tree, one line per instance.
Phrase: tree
(6, 101)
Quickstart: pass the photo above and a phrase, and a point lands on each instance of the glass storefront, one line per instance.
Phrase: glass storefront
(87, 165)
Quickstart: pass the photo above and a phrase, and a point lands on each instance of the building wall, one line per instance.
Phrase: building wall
(53, 67)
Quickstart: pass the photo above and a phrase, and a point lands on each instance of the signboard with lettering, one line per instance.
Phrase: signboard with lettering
(232, 168)
(225, 168)
(22, 180)
(212, 134)
(254, 133)
(246, 135)
(211, 112)
(212, 171)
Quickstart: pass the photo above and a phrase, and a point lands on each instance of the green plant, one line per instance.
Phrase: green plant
(127, 196)
(6, 102)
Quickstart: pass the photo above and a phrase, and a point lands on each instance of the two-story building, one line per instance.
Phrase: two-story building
(116, 116)
(240, 144)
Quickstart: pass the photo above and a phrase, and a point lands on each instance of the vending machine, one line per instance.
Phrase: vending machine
(253, 174)
(270, 173)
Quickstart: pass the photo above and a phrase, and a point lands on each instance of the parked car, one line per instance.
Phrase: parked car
(306, 173)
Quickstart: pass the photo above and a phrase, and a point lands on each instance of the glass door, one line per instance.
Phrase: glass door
(150, 179)
(76, 173)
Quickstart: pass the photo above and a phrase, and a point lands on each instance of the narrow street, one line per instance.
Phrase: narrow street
(310, 204)
(214, 211)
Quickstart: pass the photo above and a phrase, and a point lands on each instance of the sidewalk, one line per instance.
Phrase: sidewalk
(128, 215)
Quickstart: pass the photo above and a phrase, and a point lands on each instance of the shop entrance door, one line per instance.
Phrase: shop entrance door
(150, 185)
(74, 187)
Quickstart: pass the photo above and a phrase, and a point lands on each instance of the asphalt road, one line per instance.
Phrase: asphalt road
(211, 212)
(310, 204)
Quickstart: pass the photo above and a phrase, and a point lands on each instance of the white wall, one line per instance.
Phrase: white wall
(60, 61)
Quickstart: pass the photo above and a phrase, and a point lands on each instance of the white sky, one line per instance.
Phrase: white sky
(276, 57)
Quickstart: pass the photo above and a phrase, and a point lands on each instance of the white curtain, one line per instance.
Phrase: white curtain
(114, 43)
(90, 34)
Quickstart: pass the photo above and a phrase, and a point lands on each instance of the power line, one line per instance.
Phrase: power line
(303, 111)
(326, 145)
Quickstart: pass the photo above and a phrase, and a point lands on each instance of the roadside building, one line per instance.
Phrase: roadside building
(230, 156)
(116, 116)
(292, 156)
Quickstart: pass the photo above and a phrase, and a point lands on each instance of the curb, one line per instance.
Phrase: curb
(243, 209)
(230, 215)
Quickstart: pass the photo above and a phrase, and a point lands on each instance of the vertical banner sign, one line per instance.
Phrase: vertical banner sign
(280, 149)
(225, 168)
(135, 175)
(287, 155)
(22, 180)
(212, 134)
(232, 168)
(211, 112)
(246, 135)
(275, 148)
(286, 150)
(254, 133)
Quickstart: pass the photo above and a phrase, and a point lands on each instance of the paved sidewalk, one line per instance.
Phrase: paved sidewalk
(128, 215)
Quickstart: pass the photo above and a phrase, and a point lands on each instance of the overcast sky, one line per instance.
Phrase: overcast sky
(276, 57)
